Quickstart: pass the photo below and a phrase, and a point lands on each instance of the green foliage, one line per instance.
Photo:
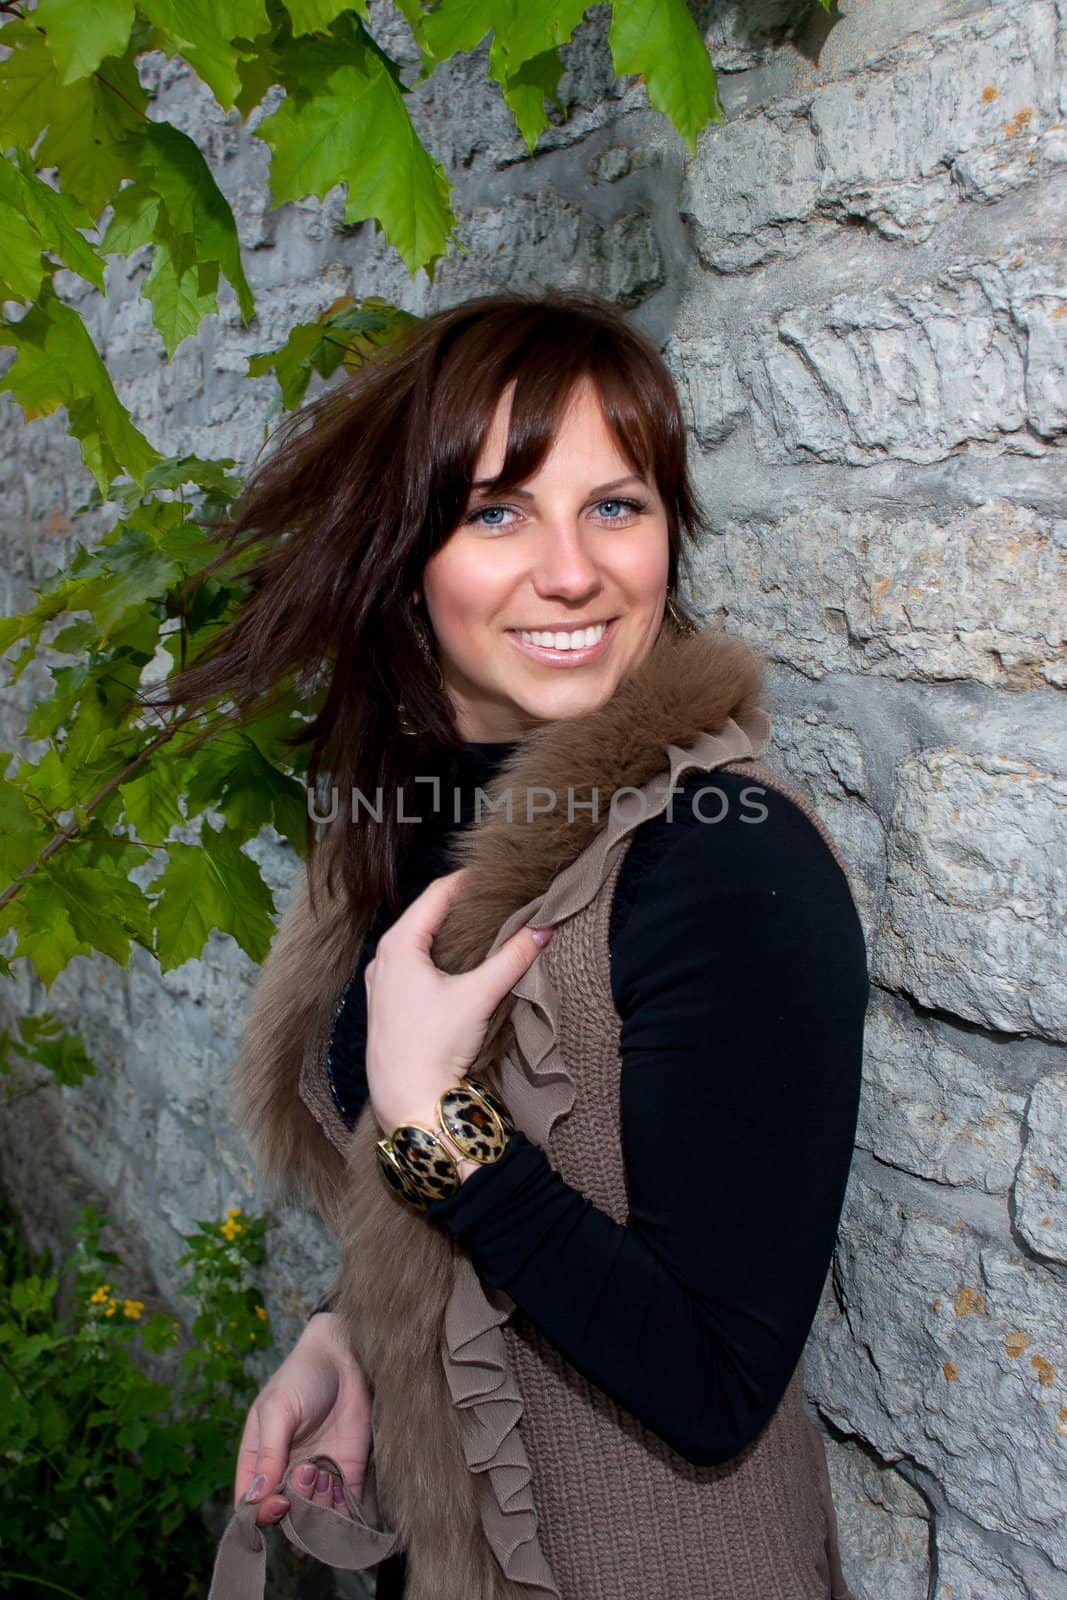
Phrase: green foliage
(45, 1042)
(92, 174)
(659, 39)
(102, 1469)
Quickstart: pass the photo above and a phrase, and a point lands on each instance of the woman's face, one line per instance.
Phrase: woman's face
(581, 544)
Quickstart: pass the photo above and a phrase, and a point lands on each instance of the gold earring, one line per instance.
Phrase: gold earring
(682, 623)
(404, 721)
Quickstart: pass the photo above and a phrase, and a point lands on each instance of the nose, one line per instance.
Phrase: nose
(565, 567)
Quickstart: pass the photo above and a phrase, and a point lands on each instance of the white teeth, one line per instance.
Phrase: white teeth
(579, 640)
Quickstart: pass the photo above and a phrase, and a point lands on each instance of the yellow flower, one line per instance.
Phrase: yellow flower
(98, 1296)
(109, 1309)
(233, 1211)
(231, 1229)
(132, 1308)
(261, 1313)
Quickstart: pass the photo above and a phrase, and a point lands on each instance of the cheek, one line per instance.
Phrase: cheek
(641, 566)
(467, 588)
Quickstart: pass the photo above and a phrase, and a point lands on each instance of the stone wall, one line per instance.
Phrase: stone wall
(859, 284)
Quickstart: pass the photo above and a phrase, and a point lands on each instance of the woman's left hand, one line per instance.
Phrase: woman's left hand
(425, 1027)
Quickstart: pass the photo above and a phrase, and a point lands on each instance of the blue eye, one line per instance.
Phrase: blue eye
(626, 505)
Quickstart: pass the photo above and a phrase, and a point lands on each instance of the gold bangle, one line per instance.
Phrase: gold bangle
(417, 1161)
(427, 1161)
(475, 1123)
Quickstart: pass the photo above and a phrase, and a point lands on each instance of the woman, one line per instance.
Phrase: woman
(585, 1186)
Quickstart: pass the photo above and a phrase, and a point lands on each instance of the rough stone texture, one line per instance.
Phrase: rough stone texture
(980, 595)
(973, 918)
(858, 284)
(883, 1523)
(1040, 1193)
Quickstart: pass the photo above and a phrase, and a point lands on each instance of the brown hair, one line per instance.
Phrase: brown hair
(360, 489)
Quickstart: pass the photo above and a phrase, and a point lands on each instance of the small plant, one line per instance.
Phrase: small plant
(44, 1041)
(102, 1469)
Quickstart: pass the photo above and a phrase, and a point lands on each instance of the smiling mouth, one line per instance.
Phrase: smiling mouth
(561, 646)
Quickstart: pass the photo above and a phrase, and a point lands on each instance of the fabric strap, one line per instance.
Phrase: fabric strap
(347, 1541)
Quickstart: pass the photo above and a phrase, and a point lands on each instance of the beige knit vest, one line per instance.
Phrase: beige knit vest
(613, 1499)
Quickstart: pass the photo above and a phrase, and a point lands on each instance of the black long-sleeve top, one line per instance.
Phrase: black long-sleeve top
(739, 973)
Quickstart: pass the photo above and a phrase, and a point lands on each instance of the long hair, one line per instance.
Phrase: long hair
(361, 487)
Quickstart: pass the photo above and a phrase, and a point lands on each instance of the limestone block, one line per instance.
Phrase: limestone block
(929, 1108)
(914, 373)
(949, 1353)
(752, 191)
(1040, 1193)
(514, 238)
(884, 1526)
(975, 890)
(713, 399)
(826, 763)
(957, 112)
(973, 95)
(979, 593)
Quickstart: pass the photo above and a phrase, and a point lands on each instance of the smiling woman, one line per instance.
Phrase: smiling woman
(574, 1084)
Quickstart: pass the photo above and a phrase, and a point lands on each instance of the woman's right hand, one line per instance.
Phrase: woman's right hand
(317, 1403)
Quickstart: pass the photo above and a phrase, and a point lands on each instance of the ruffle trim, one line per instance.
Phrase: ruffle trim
(538, 1088)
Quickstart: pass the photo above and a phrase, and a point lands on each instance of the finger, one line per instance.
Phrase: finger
(247, 1454)
(304, 1479)
(273, 1433)
(324, 1488)
(418, 924)
(500, 971)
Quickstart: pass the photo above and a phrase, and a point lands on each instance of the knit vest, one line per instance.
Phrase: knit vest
(501, 1471)
(645, 1520)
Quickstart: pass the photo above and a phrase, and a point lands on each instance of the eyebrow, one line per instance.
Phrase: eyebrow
(602, 489)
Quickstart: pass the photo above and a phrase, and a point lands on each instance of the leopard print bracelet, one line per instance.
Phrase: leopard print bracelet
(417, 1162)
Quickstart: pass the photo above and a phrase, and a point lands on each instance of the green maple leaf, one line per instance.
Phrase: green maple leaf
(660, 40)
(524, 31)
(181, 299)
(344, 121)
(81, 33)
(22, 270)
(460, 25)
(36, 218)
(58, 365)
(232, 775)
(151, 799)
(315, 16)
(22, 834)
(103, 907)
(84, 123)
(213, 885)
(348, 333)
(204, 32)
(526, 90)
(45, 934)
(175, 205)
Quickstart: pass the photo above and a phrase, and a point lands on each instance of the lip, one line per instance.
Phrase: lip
(563, 658)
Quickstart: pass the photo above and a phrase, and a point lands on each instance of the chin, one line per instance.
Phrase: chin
(579, 700)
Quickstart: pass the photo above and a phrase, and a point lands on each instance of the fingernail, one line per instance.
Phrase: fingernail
(338, 1495)
(305, 1475)
(322, 1482)
(541, 936)
(256, 1487)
